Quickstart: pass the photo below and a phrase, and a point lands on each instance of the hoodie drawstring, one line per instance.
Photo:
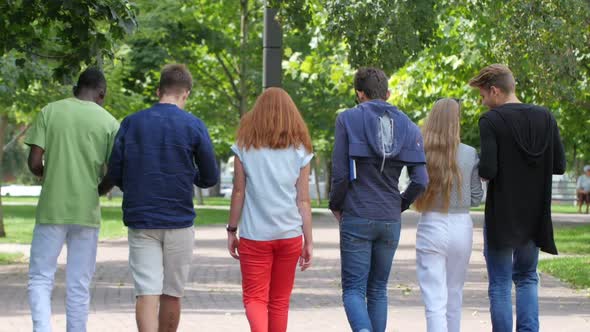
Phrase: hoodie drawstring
(383, 140)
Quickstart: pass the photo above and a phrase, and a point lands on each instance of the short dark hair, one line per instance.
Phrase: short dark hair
(175, 79)
(372, 81)
(90, 79)
(497, 75)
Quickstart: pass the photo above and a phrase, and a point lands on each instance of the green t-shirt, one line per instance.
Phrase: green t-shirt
(77, 137)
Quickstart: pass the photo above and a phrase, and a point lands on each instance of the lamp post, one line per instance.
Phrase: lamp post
(272, 48)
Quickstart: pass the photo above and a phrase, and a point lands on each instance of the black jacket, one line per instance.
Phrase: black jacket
(520, 150)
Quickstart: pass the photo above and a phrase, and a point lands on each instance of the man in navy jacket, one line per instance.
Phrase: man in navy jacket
(158, 155)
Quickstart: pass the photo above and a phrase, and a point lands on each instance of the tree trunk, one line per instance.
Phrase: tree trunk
(216, 189)
(2, 230)
(575, 162)
(243, 102)
(3, 124)
(199, 196)
(328, 177)
(317, 181)
(16, 138)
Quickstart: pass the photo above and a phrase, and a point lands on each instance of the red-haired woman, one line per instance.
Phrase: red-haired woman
(271, 200)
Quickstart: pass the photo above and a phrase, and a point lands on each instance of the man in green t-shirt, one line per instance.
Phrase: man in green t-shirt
(70, 142)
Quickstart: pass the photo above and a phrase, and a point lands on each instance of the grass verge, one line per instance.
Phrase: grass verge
(11, 258)
(555, 208)
(19, 222)
(116, 201)
(573, 270)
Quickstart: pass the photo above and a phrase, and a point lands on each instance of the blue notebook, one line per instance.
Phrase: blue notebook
(352, 168)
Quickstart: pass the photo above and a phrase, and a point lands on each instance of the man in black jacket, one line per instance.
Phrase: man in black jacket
(520, 151)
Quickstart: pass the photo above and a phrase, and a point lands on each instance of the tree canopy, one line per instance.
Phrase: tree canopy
(430, 49)
(44, 44)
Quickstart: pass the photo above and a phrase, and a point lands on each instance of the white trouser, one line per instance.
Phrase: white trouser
(443, 249)
(47, 243)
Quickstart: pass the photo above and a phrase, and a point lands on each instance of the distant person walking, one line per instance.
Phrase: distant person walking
(270, 201)
(70, 142)
(583, 189)
(445, 232)
(159, 155)
(373, 143)
(520, 151)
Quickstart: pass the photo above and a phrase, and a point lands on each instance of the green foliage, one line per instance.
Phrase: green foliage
(14, 163)
(432, 48)
(382, 33)
(550, 55)
(439, 45)
(66, 32)
(294, 14)
(26, 88)
(44, 43)
(544, 42)
(206, 36)
(319, 78)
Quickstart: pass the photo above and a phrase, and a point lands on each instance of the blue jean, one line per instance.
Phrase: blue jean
(367, 248)
(46, 246)
(518, 265)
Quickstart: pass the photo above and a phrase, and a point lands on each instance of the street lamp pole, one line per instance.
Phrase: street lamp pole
(272, 46)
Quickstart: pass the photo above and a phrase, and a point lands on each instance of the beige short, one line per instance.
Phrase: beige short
(160, 260)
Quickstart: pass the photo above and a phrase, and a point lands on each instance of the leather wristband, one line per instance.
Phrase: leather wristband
(231, 229)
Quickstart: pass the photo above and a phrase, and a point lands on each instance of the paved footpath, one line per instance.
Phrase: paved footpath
(213, 295)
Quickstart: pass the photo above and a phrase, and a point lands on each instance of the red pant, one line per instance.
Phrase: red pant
(268, 273)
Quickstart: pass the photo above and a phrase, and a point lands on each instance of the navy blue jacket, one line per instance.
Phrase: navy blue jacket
(159, 153)
(373, 142)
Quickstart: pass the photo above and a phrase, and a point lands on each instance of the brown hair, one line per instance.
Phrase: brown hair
(441, 133)
(175, 79)
(497, 75)
(372, 81)
(274, 122)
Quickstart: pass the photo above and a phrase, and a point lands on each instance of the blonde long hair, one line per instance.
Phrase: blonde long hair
(274, 122)
(441, 133)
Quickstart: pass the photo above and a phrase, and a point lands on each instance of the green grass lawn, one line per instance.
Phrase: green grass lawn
(571, 240)
(20, 220)
(11, 258)
(572, 270)
(221, 201)
(10, 199)
(33, 200)
(116, 201)
(555, 208)
(564, 209)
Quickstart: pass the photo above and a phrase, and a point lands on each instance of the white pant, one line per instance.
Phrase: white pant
(47, 243)
(443, 249)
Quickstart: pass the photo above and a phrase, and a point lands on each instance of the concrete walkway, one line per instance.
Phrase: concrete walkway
(213, 296)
